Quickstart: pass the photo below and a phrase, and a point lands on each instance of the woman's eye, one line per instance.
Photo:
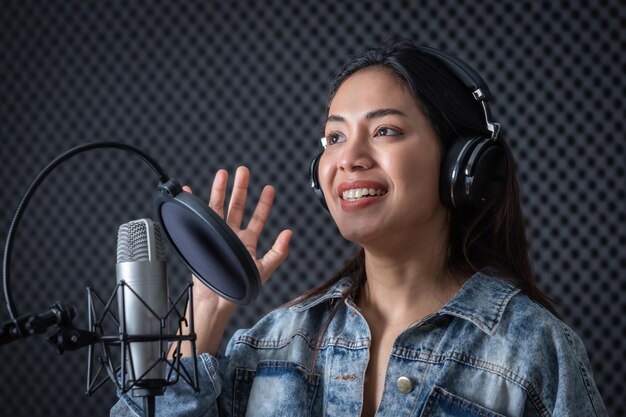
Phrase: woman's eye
(334, 138)
(387, 131)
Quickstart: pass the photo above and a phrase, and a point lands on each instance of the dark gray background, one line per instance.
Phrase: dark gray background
(204, 85)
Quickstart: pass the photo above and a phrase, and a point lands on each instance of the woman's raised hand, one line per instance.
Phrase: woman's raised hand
(234, 217)
(211, 312)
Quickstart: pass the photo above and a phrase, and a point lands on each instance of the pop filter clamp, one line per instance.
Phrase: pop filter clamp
(203, 241)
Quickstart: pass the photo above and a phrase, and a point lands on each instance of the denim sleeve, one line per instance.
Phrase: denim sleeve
(571, 391)
(180, 399)
(583, 393)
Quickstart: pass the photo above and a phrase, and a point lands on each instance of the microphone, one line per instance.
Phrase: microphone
(143, 304)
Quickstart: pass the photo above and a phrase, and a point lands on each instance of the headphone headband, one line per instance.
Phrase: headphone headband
(471, 79)
(463, 72)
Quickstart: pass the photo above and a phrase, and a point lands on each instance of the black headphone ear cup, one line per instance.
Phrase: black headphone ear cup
(315, 183)
(452, 176)
(488, 176)
(485, 160)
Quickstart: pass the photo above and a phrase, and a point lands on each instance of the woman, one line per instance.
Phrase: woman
(438, 313)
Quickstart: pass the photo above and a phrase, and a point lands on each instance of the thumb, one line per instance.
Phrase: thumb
(276, 255)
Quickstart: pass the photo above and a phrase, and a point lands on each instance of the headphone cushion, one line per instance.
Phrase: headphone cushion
(483, 184)
(314, 180)
(487, 181)
(452, 174)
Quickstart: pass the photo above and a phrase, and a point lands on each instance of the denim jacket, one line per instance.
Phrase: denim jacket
(490, 351)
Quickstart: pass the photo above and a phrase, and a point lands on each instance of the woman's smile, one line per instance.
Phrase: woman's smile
(359, 194)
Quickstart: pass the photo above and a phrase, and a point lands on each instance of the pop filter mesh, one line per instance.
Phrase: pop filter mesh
(204, 250)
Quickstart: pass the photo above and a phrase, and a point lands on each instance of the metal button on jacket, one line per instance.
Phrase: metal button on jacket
(405, 385)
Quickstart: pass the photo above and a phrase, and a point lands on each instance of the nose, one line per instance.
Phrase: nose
(355, 154)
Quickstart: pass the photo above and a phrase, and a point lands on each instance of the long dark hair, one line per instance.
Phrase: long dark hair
(491, 238)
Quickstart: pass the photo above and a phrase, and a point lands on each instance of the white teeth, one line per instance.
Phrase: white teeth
(360, 193)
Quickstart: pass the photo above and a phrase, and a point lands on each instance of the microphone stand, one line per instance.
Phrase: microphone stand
(61, 315)
(148, 406)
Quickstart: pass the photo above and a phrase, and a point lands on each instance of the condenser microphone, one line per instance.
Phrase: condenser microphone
(143, 303)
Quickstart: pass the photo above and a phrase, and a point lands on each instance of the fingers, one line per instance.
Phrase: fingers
(249, 237)
(218, 192)
(262, 211)
(276, 255)
(238, 198)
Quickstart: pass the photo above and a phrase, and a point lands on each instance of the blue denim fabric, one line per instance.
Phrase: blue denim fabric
(490, 351)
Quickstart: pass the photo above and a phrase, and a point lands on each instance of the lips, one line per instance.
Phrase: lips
(355, 195)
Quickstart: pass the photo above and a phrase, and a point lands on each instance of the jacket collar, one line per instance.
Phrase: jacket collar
(481, 300)
(336, 291)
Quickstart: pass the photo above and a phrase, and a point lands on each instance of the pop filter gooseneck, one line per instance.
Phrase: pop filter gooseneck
(8, 247)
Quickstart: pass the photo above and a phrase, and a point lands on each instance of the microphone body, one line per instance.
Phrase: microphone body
(144, 301)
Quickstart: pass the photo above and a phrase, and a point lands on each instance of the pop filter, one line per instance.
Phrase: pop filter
(206, 244)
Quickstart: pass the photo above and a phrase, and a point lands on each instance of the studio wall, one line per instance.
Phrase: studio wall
(208, 85)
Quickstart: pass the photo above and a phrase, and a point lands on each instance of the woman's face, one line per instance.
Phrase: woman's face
(380, 169)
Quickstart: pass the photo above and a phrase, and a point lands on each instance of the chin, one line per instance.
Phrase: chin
(359, 236)
(359, 230)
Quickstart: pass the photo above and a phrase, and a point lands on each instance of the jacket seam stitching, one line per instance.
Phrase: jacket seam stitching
(522, 382)
(213, 373)
(581, 368)
(281, 343)
(499, 370)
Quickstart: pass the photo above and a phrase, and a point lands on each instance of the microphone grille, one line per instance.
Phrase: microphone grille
(140, 241)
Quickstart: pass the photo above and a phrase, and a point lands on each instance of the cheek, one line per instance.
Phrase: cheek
(324, 174)
(415, 169)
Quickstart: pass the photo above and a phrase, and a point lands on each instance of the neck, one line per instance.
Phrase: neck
(409, 282)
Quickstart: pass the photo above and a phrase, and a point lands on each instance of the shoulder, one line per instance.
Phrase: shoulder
(549, 356)
(499, 309)
(501, 331)
(530, 319)
(541, 333)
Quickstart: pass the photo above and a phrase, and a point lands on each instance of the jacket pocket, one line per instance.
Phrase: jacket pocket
(441, 403)
(275, 388)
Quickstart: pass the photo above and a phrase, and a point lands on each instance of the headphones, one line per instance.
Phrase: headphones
(474, 168)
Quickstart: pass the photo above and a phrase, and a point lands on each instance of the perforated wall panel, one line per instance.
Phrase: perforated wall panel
(206, 85)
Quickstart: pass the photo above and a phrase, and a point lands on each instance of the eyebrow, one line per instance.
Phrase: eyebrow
(374, 114)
